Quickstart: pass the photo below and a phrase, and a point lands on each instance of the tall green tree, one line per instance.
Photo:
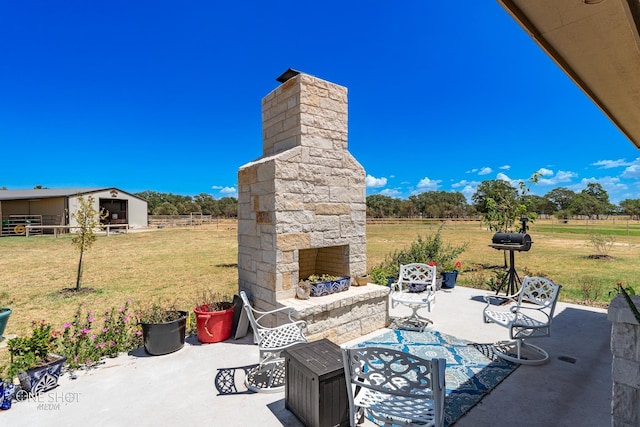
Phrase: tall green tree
(88, 219)
(228, 206)
(598, 192)
(207, 203)
(631, 207)
(493, 190)
(561, 198)
(503, 206)
(165, 208)
(381, 206)
(586, 204)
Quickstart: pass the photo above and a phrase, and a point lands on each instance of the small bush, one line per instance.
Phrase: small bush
(494, 283)
(602, 243)
(591, 290)
(431, 248)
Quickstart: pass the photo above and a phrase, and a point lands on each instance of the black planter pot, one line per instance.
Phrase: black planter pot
(164, 338)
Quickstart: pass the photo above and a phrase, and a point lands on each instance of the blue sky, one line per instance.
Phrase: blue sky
(166, 96)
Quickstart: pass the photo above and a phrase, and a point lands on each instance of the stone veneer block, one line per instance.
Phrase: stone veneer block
(343, 316)
(625, 368)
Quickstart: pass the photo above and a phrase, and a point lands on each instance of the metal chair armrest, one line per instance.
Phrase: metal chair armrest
(273, 312)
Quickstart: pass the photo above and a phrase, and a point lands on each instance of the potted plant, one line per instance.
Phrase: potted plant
(449, 272)
(326, 284)
(163, 328)
(33, 361)
(5, 312)
(363, 280)
(214, 316)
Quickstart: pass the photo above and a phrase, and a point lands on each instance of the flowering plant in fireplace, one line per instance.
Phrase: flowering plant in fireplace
(314, 278)
(325, 284)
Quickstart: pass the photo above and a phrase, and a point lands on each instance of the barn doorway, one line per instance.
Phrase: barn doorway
(116, 210)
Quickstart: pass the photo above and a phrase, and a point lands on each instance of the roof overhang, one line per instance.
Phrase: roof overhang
(597, 44)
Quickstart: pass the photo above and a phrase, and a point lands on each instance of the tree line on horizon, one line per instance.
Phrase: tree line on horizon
(561, 202)
(173, 204)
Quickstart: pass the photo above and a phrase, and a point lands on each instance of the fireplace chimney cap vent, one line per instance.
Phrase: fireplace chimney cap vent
(287, 75)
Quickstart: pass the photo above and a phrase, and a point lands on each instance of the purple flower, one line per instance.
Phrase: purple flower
(105, 329)
(91, 319)
(85, 331)
(93, 337)
(66, 325)
(111, 344)
(101, 345)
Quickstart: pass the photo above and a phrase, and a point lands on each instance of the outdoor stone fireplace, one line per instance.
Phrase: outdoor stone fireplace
(302, 211)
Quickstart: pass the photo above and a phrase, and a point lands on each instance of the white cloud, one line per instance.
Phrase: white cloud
(559, 178)
(608, 164)
(633, 170)
(469, 190)
(373, 182)
(228, 191)
(505, 167)
(545, 172)
(461, 183)
(485, 171)
(503, 177)
(427, 184)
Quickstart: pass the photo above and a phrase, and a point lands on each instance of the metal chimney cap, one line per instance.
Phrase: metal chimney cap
(287, 75)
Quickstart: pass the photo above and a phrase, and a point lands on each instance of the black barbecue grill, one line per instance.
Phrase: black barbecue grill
(511, 242)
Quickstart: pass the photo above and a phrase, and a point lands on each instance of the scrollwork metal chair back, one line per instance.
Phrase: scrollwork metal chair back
(269, 375)
(527, 314)
(415, 289)
(394, 387)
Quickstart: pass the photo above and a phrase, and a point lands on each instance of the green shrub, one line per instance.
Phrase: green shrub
(430, 248)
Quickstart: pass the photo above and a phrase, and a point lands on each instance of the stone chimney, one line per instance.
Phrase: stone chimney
(302, 205)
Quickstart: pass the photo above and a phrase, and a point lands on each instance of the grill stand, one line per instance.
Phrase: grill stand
(512, 280)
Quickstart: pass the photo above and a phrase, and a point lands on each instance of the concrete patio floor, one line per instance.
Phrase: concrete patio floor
(574, 388)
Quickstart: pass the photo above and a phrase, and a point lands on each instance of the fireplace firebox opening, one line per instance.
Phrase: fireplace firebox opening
(331, 260)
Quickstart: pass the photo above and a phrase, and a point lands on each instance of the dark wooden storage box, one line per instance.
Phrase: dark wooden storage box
(315, 388)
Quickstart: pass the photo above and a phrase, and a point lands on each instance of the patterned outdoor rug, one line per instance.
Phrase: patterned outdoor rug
(473, 370)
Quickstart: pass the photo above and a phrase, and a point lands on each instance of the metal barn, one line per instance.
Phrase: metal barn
(55, 207)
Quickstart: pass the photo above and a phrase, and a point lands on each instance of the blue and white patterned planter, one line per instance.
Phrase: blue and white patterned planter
(43, 378)
(319, 289)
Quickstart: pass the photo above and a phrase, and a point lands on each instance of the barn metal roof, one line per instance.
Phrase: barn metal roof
(47, 193)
